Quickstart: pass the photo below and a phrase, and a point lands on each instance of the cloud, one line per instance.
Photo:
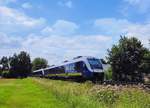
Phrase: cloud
(9, 44)
(55, 42)
(9, 41)
(56, 48)
(26, 5)
(5, 2)
(141, 6)
(14, 20)
(61, 40)
(67, 3)
(116, 27)
(61, 27)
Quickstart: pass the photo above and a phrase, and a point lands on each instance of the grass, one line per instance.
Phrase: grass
(44, 93)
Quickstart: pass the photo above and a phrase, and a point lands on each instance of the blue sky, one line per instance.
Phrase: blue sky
(62, 29)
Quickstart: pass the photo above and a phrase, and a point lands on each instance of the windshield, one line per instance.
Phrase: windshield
(95, 63)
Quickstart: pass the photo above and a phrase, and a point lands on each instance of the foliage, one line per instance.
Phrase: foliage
(108, 74)
(4, 62)
(5, 74)
(145, 66)
(39, 63)
(1, 70)
(126, 58)
(20, 65)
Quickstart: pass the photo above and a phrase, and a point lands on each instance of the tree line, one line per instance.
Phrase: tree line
(20, 65)
(129, 61)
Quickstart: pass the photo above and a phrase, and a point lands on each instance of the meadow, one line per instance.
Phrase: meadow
(46, 93)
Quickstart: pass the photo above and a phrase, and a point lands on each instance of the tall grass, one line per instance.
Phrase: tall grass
(87, 95)
(44, 93)
(75, 95)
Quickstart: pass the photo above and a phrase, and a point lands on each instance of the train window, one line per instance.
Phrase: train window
(95, 63)
(70, 67)
(80, 66)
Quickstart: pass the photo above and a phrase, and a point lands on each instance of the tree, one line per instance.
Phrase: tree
(4, 62)
(126, 59)
(39, 63)
(145, 66)
(14, 61)
(24, 64)
(20, 65)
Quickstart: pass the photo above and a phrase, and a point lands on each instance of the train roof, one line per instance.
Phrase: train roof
(74, 60)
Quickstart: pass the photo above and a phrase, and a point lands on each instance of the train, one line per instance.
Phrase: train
(89, 68)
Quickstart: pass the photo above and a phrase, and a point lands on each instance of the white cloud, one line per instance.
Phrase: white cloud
(9, 44)
(55, 43)
(60, 41)
(26, 5)
(116, 27)
(112, 25)
(56, 48)
(14, 20)
(67, 3)
(47, 30)
(9, 41)
(141, 6)
(61, 27)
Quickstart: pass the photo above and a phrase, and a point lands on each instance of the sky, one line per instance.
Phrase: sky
(58, 30)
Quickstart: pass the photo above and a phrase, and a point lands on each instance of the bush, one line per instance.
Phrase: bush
(5, 74)
(108, 74)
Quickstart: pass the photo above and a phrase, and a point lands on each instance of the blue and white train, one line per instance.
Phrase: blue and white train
(89, 67)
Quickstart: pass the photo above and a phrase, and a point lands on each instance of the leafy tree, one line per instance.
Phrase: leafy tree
(24, 64)
(145, 66)
(126, 59)
(20, 65)
(4, 62)
(1, 69)
(39, 63)
(14, 61)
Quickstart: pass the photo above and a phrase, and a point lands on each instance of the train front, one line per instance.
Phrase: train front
(96, 68)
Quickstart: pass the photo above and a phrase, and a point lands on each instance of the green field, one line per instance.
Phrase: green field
(44, 93)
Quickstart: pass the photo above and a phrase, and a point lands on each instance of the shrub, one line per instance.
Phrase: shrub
(108, 74)
(5, 74)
